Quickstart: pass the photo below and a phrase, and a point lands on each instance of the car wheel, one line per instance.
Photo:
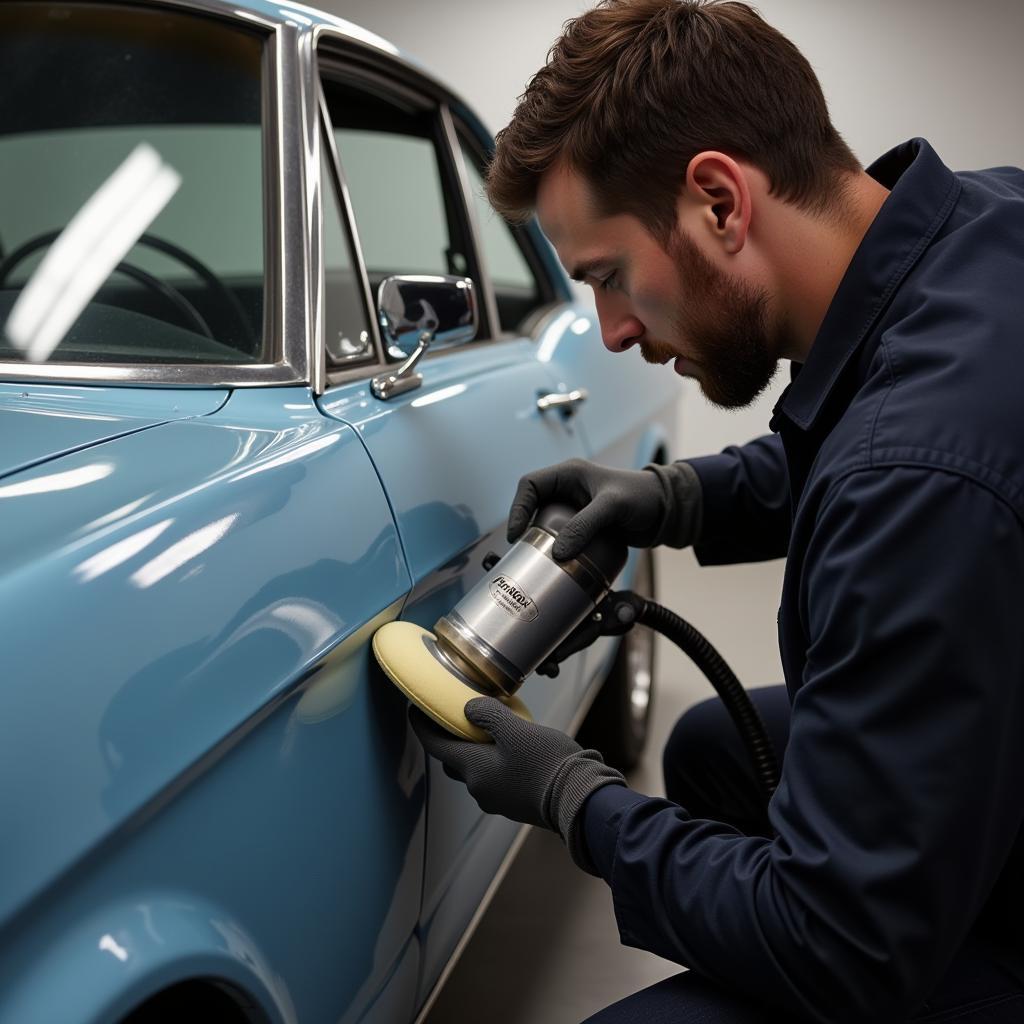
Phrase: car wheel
(619, 719)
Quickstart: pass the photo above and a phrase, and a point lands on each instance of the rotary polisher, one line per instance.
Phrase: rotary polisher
(503, 629)
(529, 613)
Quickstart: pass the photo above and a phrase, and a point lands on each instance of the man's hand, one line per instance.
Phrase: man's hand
(530, 773)
(654, 505)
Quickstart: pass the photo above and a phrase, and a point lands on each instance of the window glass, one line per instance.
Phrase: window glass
(84, 85)
(505, 260)
(399, 204)
(390, 160)
(516, 290)
(346, 331)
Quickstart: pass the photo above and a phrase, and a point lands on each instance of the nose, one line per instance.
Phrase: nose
(620, 329)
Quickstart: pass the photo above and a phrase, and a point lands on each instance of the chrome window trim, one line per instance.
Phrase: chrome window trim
(360, 76)
(355, 246)
(284, 322)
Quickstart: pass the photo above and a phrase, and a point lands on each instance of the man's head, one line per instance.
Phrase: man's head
(657, 147)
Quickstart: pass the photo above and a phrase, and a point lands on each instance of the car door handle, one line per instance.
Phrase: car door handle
(566, 402)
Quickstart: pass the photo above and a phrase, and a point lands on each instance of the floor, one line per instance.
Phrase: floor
(547, 950)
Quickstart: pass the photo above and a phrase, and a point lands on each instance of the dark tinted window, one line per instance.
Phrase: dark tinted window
(84, 85)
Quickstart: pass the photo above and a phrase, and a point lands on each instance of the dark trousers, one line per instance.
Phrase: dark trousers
(708, 772)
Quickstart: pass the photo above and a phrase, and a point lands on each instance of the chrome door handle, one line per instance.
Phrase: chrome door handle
(565, 402)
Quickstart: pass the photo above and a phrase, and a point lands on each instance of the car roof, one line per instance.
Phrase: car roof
(313, 21)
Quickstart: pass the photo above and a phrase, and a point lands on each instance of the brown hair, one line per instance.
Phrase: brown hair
(634, 89)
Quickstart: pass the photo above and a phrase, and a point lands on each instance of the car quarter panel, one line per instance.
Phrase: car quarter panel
(39, 422)
(204, 617)
(114, 955)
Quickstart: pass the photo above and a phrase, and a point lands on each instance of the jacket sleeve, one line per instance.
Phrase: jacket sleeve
(900, 794)
(746, 503)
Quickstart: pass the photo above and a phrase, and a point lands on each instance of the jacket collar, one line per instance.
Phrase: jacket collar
(923, 193)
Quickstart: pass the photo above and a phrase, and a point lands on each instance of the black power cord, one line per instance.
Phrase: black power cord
(620, 610)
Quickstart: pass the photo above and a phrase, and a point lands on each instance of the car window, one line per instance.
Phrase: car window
(346, 331)
(517, 290)
(84, 85)
(406, 218)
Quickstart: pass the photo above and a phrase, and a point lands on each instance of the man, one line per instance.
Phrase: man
(680, 157)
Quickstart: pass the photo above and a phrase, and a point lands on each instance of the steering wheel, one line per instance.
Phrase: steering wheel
(224, 295)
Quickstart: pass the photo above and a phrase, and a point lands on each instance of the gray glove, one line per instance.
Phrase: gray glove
(529, 773)
(654, 505)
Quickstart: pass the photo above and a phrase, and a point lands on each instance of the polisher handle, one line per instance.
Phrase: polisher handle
(616, 613)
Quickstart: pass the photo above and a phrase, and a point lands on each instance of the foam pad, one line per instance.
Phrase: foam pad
(403, 650)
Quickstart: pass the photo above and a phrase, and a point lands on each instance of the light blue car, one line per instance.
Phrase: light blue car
(226, 476)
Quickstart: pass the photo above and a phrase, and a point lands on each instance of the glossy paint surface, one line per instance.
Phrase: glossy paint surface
(291, 867)
(41, 421)
(219, 563)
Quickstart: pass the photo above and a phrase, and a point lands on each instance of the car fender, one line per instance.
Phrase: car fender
(118, 955)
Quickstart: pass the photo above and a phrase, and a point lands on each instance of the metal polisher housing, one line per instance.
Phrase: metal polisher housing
(527, 604)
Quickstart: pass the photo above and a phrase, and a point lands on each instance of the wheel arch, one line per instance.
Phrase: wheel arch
(118, 958)
(652, 446)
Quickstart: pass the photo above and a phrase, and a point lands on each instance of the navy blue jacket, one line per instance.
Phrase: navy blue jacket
(894, 484)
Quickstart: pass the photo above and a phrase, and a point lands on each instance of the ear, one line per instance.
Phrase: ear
(719, 187)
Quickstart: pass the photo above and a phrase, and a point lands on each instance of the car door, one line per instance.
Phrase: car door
(449, 453)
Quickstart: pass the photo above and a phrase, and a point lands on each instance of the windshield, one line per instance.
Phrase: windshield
(86, 86)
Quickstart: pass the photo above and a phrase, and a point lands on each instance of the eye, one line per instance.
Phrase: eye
(610, 283)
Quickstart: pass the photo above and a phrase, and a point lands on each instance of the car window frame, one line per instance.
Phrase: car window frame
(332, 65)
(376, 358)
(288, 357)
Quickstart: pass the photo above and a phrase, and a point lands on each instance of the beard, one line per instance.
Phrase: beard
(724, 324)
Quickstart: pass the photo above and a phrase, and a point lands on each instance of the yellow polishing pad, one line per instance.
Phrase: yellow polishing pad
(407, 653)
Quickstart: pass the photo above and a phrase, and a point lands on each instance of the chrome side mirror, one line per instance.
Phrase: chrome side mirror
(417, 312)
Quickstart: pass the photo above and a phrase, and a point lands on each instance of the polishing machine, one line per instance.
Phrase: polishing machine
(528, 613)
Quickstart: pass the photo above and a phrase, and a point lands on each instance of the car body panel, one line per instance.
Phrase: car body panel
(298, 853)
(202, 551)
(39, 422)
(114, 953)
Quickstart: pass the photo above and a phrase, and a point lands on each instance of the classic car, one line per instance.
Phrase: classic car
(224, 474)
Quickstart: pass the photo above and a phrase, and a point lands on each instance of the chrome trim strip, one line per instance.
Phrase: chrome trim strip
(291, 118)
(355, 248)
(312, 241)
(476, 238)
(212, 375)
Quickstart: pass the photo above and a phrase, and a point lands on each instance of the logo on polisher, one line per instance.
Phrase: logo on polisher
(511, 598)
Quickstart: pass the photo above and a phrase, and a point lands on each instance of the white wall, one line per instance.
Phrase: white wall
(950, 70)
